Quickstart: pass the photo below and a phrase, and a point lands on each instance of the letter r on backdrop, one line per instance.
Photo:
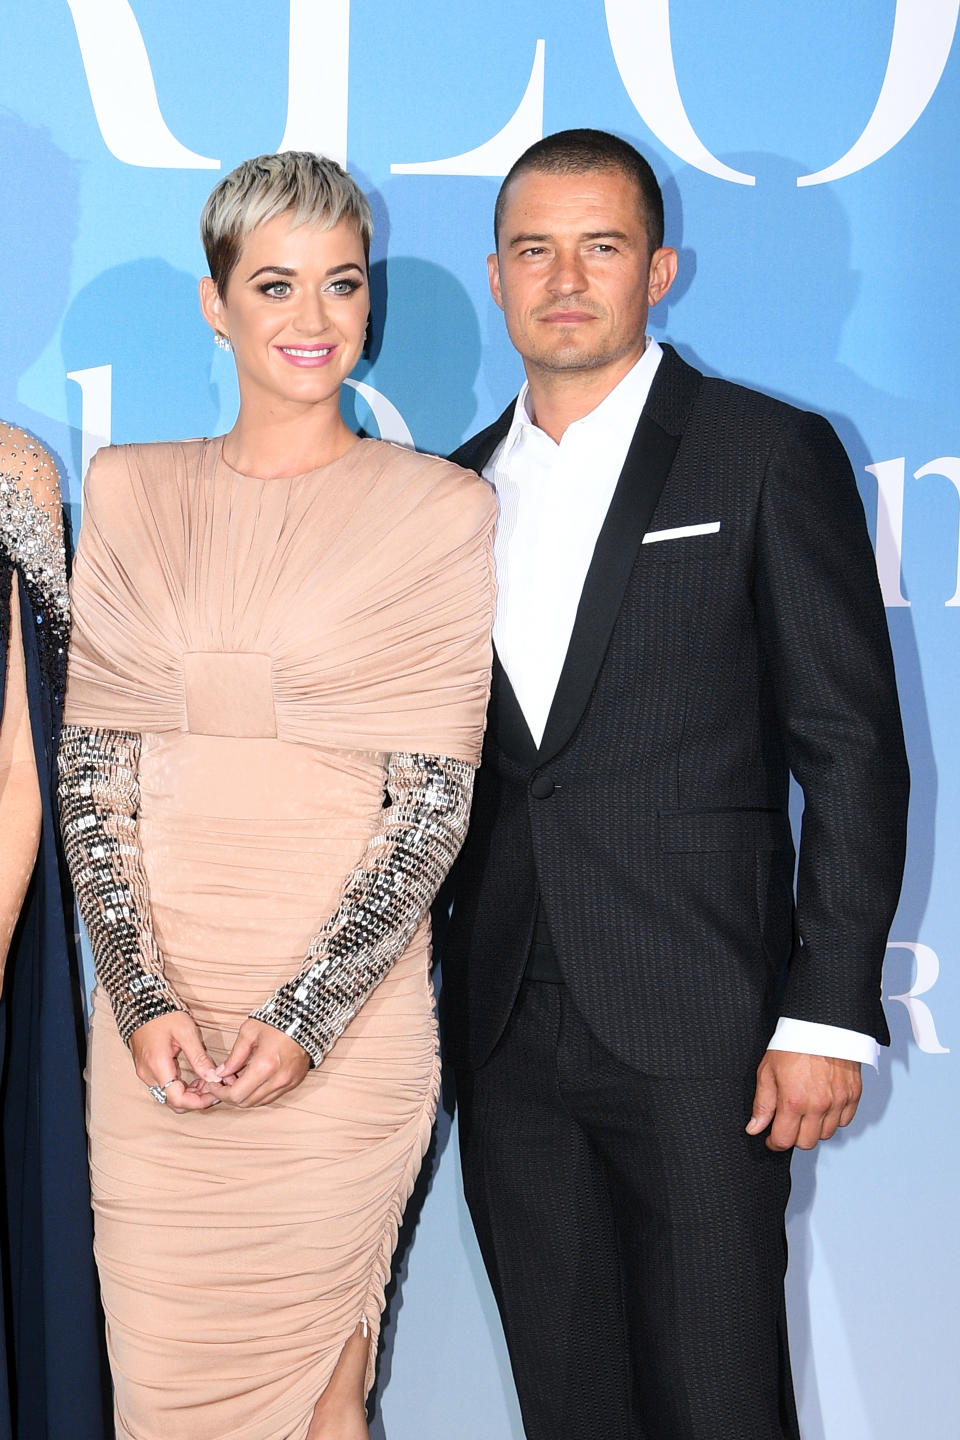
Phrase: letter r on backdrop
(921, 1016)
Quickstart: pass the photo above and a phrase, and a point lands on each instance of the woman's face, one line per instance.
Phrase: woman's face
(295, 312)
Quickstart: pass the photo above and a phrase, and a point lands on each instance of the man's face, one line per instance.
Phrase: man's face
(573, 274)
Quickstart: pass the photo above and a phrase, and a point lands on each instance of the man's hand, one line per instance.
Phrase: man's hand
(803, 1098)
(263, 1065)
(156, 1048)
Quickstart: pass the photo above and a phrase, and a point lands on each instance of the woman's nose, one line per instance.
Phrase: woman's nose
(311, 314)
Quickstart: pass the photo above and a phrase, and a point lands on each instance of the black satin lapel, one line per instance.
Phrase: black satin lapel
(506, 719)
(641, 481)
(474, 453)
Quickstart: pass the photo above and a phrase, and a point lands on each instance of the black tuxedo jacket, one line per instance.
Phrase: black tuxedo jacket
(652, 820)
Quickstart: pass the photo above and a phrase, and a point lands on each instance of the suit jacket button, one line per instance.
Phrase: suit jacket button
(541, 787)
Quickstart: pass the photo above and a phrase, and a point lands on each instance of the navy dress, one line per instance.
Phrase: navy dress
(52, 1371)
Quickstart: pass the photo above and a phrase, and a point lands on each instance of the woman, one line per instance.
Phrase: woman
(50, 1348)
(276, 691)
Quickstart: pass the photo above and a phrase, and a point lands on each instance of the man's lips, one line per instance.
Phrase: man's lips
(567, 317)
(307, 356)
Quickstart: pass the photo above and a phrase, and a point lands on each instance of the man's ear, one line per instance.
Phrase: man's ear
(662, 273)
(211, 306)
(493, 275)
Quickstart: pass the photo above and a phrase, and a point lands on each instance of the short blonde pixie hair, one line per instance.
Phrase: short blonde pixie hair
(311, 188)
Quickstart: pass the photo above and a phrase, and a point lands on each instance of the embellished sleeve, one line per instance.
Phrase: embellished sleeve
(20, 805)
(31, 544)
(99, 801)
(33, 602)
(382, 903)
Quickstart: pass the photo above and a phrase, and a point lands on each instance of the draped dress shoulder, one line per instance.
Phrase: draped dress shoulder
(272, 643)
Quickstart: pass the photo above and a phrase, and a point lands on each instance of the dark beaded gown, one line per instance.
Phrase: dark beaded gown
(51, 1358)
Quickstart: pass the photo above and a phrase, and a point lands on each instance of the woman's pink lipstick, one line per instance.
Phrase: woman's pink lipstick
(307, 357)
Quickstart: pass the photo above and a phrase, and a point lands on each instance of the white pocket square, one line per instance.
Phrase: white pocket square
(681, 532)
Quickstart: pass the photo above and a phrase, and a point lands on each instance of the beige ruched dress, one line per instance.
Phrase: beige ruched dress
(272, 642)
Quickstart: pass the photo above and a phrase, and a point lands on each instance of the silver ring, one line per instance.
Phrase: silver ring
(158, 1091)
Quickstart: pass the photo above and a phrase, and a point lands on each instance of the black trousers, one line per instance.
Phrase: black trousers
(633, 1235)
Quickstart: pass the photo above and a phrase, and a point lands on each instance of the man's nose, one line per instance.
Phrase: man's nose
(567, 275)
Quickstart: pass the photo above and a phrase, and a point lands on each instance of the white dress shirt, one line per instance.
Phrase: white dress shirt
(548, 528)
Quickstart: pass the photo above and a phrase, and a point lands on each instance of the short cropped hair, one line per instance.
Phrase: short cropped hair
(576, 152)
(310, 188)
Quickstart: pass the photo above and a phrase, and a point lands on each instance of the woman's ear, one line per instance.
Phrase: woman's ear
(211, 307)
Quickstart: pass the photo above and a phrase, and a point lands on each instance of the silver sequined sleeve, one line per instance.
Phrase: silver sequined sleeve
(99, 796)
(382, 903)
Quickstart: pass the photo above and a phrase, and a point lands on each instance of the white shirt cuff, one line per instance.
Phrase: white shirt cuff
(806, 1037)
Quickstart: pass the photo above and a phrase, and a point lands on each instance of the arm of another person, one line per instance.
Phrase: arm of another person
(825, 640)
(20, 812)
(31, 528)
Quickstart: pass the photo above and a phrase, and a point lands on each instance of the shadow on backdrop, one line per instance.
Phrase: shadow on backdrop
(38, 229)
(424, 352)
(142, 318)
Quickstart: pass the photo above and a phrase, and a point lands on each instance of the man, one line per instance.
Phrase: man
(643, 1022)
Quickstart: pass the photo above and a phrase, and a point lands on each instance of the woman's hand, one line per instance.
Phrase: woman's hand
(156, 1048)
(263, 1065)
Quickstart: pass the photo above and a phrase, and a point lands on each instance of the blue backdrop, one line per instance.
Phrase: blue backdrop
(807, 154)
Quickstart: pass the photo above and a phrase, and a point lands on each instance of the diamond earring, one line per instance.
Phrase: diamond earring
(222, 341)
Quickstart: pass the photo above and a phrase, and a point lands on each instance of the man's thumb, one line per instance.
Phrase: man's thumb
(764, 1104)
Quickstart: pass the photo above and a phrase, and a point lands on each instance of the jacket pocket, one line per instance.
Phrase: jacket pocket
(662, 546)
(690, 831)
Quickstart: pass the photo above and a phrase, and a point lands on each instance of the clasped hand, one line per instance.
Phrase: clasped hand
(263, 1064)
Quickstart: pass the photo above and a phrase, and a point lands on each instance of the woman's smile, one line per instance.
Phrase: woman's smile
(307, 356)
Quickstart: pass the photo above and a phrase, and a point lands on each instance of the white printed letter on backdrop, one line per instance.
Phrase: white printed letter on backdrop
(948, 468)
(891, 477)
(642, 48)
(923, 32)
(96, 406)
(390, 422)
(921, 1018)
(319, 85)
(495, 157)
(889, 544)
(122, 89)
